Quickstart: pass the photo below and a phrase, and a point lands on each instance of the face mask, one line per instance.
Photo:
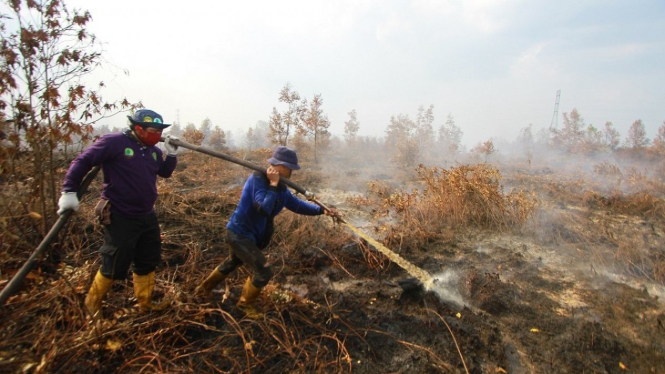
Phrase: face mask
(148, 138)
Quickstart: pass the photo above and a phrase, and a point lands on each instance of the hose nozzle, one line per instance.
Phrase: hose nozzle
(310, 195)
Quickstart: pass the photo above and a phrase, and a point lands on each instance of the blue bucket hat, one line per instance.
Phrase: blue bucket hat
(285, 156)
(148, 118)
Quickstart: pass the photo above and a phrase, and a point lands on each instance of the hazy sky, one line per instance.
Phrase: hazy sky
(494, 65)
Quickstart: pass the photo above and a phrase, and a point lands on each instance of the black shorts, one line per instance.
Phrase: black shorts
(130, 240)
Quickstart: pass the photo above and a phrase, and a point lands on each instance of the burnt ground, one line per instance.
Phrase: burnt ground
(514, 303)
(565, 294)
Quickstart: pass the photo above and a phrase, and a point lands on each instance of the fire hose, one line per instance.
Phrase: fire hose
(310, 196)
(421, 275)
(18, 278)
(11, 287)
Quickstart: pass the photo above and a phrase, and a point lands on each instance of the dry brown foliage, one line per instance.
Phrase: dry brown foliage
(303, 332)
(636, 253)
(472, 195)
(452, 200)
(309, 326)
(594, 218)
(640, 204)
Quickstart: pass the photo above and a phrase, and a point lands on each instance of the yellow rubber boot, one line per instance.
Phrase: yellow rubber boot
(143, 286)
(204, 289)
(93, 301)
(246, 302)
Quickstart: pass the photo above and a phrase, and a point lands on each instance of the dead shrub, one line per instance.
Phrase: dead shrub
(632, 258)
(360, 201)
(379, 188)
(640, 255)
(640, 204)
(465, 196)
(607, 169)
(472, 195)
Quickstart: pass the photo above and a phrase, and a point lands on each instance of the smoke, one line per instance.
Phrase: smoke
(446, 287)
(598, 208)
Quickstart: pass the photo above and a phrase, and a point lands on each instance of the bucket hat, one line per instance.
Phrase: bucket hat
(285, 156)
(148, 118)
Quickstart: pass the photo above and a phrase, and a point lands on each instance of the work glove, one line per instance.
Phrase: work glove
(171, 149)
(68, 200)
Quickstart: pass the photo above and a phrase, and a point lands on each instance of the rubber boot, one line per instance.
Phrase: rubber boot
(143, 286)
(202, 292)
(246, 302)
(93, 301)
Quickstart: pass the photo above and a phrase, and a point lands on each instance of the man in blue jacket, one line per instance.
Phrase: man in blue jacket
(131, 163)
(251, 226)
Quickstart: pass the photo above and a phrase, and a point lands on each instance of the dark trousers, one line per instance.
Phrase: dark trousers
(244, 251)
(131, 240)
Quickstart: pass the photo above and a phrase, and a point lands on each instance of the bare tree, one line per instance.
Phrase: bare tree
(261, 131)
(612, 138)
(43, 60)
(659, 140)
(637, 135)
(230, 141)
(282, 126)
(592, 142)
(192, 134)
(250, 140)
(450, 136)
(424, 129)
(206, 129)
(485, 148)
(572, 133)
(400, 135)
(526, 142)
(314, 124)
(217, 139)
(351, 127)
(278, 130)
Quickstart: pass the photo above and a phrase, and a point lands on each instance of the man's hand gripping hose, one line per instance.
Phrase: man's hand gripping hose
(329, 211)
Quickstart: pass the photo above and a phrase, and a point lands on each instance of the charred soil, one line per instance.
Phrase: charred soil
(577, 289)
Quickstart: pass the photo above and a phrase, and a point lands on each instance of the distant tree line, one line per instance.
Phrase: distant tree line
(577, 137)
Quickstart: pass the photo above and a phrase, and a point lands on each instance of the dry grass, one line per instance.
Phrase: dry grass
(641, 204)
(47, 329)
(632, 224)
(620, 231)
(451, 201)
(297, 337)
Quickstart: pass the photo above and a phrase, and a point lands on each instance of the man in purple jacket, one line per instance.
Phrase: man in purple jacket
(131, 163)
(251, 226)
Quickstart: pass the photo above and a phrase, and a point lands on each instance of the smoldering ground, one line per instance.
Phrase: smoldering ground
(571, 288)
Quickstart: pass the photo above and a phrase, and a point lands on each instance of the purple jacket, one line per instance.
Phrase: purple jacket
(130, 172)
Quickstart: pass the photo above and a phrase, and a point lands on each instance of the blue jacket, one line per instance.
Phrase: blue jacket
(130, 172)
(260, 203)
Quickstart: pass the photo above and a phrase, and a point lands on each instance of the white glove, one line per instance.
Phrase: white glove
(68, 200)
(171, 149)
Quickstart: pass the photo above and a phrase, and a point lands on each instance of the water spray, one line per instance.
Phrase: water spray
(424, 277)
